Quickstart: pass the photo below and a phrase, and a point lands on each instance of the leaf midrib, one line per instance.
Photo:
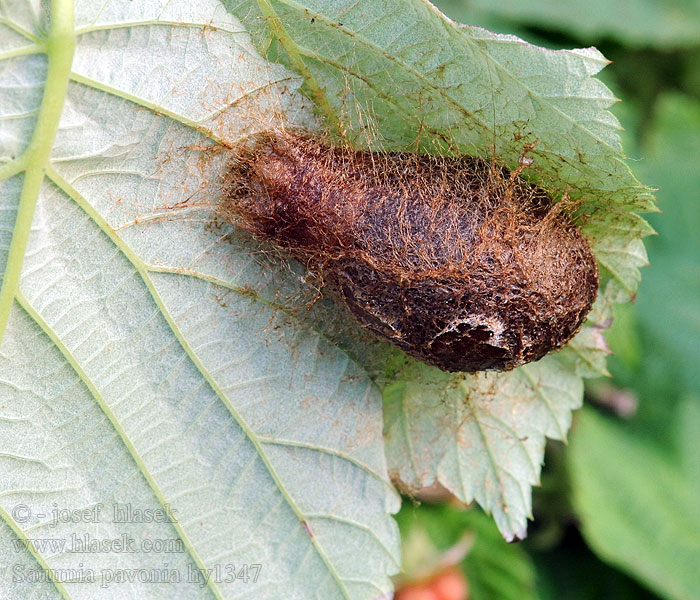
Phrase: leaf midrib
(59, 47)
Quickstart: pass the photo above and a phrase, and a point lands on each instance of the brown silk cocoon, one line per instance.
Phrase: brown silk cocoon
(460, 264)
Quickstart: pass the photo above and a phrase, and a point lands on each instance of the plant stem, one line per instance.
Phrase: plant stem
(60, 46)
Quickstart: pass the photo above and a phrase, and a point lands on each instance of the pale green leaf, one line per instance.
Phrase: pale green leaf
(403, 76)
(585, 355)
(151, 88)
(482, 436)
(144, 361)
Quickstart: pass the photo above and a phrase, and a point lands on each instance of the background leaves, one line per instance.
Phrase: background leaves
(637, 502)
(667, 24)
(638, 510)
(494, 568)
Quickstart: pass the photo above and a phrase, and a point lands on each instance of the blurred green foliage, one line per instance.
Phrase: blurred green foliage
(637, 506)
(644, 23)
(669, 298)
(494, 568)
(618, 514)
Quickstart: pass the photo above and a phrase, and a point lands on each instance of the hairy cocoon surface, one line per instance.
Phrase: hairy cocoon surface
(457, 262)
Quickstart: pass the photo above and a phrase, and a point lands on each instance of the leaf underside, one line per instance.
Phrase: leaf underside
(154, 356)
(144, 361)
(462, 89)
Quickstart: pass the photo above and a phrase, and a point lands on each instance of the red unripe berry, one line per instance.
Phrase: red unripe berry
(416, 592)
(450, 585)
